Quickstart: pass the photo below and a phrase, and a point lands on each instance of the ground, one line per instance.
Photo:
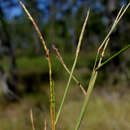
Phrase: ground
(108, 110)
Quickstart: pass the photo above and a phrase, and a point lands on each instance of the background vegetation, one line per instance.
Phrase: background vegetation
(24, 64)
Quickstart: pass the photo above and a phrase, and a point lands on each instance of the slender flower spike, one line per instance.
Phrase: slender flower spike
(52, 105)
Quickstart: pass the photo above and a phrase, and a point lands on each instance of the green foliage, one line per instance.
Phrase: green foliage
(57, 32)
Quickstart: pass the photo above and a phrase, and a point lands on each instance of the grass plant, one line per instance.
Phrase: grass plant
(98, 64)
(101, 50)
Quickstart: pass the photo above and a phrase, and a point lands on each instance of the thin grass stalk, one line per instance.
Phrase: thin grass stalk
(112, 28)
(53, 98)
(32, 121)
(123, 12)
(118, 18)
(73, 67)
(67, 70)
(52, 106)
(118, 15)
(113, 56)
(109, 33)
(90, 89)
(45, 125)
(95, 73)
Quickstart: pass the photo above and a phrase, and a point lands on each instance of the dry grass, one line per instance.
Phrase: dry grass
(111, 106)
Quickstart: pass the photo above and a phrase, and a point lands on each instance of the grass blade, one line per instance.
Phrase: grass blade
(67, 70)
(73, 67)
(90, 89)
(32, 121)
(45, 125)
(95, 73)
(112, 57)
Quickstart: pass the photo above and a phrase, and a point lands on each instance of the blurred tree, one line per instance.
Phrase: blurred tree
(6, 41)
(60, 21)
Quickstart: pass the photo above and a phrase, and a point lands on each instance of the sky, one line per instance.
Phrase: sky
(12, 12)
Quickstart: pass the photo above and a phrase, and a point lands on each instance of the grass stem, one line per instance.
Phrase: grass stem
(73, 67)
(112, 57)
(52, 104)
(32, 121)
(101, 50)
(67, 70)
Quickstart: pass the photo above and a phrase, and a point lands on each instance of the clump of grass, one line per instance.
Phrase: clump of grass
(100, 54)
(98, 64)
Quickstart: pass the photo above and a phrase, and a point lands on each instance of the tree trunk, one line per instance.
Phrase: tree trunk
(6, 41)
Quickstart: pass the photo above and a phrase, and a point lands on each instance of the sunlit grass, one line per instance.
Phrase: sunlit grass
(105, 110)
(71, 109)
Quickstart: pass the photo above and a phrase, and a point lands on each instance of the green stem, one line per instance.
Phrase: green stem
(95, 73)
(87, 97)
(73, 67)
(112, 57)
(90, 89)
